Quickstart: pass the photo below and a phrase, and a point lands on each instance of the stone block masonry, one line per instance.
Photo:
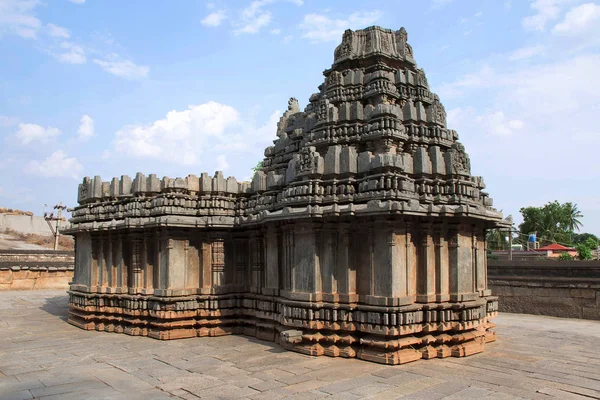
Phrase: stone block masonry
(568, 289)
(362, 236)
(35, 269)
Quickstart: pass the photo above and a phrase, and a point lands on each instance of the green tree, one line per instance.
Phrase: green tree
(583, 252)
(583, 237)
(591, 243)
(572, 215)
(497, 239)
(565, 256)
(553, 222)
(258, 167)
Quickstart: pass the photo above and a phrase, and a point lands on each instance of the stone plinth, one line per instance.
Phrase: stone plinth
(362, 236)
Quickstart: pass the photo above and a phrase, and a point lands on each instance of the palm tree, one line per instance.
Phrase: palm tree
(497, 239)
(573, 215)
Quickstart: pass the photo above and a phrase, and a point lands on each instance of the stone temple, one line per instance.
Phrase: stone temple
(362, 236)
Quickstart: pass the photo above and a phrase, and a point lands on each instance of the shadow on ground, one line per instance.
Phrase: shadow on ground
(57, 306)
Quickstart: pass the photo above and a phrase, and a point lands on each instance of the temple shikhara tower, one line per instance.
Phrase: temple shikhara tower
(362, 236)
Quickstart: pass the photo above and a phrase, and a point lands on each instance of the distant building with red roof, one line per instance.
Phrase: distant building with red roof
(555, 250)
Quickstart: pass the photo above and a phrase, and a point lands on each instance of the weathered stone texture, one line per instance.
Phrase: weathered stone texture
(362, 236)
(568, 289)
(35, 269)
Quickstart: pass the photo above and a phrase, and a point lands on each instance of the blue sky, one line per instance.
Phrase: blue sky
(103, 87)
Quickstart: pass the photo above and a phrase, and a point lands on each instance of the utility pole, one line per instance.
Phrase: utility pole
(50, 217)
(510, 244)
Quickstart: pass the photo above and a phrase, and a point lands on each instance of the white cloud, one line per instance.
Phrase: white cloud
(222, 163)
(528, 123)
(275, 31)
(16, 17)
(545, 11)
(254, 17)
(77, 1)
(484, 77)
(526, 52)
(180, 135)
(252, 139)
(496, 123)
(28, 133)
(556, 87)
(320, 28)
(86, 128)
(214, 19)
(190, 136)
(73, 54)
(57, 165)
(437, 4)
(123, 68)
(579, 20)
(538, 98)
(493, 123)
(7, 121)
(251, 19)
(57, 31)
(478, 14)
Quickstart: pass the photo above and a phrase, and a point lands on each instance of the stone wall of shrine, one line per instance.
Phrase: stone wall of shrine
(362, 236)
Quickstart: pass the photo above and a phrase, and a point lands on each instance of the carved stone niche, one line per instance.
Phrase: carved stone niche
(360, 236)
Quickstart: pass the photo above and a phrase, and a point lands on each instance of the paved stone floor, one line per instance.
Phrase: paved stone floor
(41, 356)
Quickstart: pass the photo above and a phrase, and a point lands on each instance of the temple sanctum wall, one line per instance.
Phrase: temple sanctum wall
(362, 236)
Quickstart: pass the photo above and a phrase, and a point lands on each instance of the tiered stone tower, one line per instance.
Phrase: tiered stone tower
(362, 236)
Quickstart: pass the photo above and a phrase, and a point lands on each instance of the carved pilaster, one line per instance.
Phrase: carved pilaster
(441, 264)
(305, 264)
(111, 281)
(218, 262)
(346, 265)
(461, 265)
(102, 262)
(271, 251)
(328, 261)
(95, 264)
(287, 249)
(411, 261)
(137, 262)
(206, 265)
(427, 272)
(363, 254)
(240, 246)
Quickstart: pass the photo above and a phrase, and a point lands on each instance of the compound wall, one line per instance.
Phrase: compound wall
(36, 269)
(568, 289)
(25, 224)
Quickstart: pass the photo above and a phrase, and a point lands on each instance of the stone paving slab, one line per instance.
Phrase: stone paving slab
(41, 356)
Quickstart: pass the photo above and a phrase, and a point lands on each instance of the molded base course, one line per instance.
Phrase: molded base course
(335, 330)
